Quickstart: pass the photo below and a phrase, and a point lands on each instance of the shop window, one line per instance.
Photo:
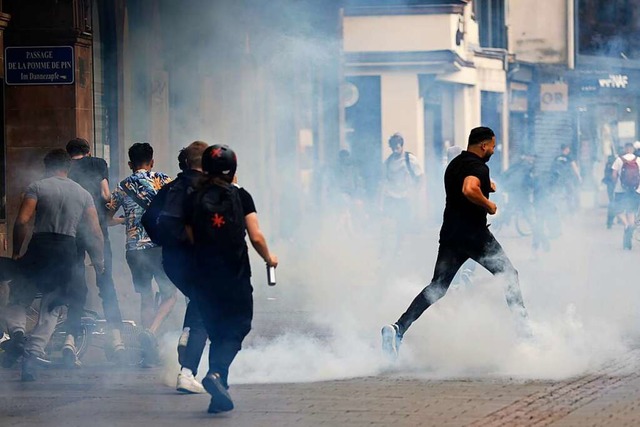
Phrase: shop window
(609, 28)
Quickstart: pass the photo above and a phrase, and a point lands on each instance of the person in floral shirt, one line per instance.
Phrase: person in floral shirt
(133, 195)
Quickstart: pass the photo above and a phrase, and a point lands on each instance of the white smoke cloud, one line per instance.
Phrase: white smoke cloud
(344, 286)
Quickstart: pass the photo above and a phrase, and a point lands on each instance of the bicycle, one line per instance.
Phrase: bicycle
(93, 333)
(520, 214)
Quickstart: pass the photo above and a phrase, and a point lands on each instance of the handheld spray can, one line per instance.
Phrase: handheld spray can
(271, 275)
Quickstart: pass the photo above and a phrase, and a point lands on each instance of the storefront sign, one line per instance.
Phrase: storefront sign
(598, 83)
(615, 81)
(41, 65)
(554, 97)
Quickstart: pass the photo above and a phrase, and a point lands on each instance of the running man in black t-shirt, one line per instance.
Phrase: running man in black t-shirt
(464, 234)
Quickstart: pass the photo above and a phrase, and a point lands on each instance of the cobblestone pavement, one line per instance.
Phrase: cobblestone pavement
(103, 397)
(99, 395)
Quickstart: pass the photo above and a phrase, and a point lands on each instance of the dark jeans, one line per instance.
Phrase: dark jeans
(482, 248)
(8, 269)
(177, 262)
(197, 337)
(106, 287)
(226, 304)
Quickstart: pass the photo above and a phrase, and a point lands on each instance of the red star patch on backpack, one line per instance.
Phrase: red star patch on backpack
(217, 221)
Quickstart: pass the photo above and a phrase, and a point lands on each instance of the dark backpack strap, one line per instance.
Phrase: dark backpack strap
(142, 203)
(409, 167)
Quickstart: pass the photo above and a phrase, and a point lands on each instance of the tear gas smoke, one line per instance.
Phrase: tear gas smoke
(340, 280)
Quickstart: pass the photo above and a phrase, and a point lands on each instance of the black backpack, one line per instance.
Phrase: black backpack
(151, 218)
(218, 220)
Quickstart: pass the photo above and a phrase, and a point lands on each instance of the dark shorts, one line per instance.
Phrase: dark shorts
(47, 266)
(627, 202)
(146, 265)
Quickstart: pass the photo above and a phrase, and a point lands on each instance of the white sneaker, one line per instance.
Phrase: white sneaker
(391, 340)
(187, 383)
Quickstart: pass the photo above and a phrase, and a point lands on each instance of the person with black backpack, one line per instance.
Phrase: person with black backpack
(219, 215)
(626, 174)
(134, 195)
(164, 221)
(92, 174)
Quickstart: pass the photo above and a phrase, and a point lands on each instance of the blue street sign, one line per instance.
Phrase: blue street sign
(39, 65)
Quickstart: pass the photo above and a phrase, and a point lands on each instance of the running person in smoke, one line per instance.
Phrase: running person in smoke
(218, 217)
(464, 234)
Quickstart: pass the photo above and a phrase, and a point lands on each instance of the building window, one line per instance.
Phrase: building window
(490, 15)
(609, 28)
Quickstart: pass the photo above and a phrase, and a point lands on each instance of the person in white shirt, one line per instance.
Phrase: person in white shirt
(403, 177)
(626, 174)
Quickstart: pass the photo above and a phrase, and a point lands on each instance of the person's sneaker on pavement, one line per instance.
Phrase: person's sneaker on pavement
(523, 330)
(31, 363)
(119, 351)
(182, 345)
(391, 340)
(29, 368)
(187, 383)
(220, 397)
(70, 353)
(4, 338)
(13, 349)
(150, 351)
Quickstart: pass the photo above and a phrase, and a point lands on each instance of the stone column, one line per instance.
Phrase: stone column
(39, 118)
(4, 21)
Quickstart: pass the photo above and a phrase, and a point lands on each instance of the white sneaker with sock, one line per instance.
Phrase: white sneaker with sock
(187, 383)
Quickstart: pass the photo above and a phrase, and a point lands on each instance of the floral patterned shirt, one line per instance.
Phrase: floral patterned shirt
(145, 185)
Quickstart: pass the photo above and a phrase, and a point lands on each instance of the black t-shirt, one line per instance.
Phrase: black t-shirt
(89, 173)
(248, 206)
(462, 218)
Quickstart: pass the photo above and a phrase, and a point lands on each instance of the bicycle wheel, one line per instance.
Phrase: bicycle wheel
(83, 342)
(132, 349)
